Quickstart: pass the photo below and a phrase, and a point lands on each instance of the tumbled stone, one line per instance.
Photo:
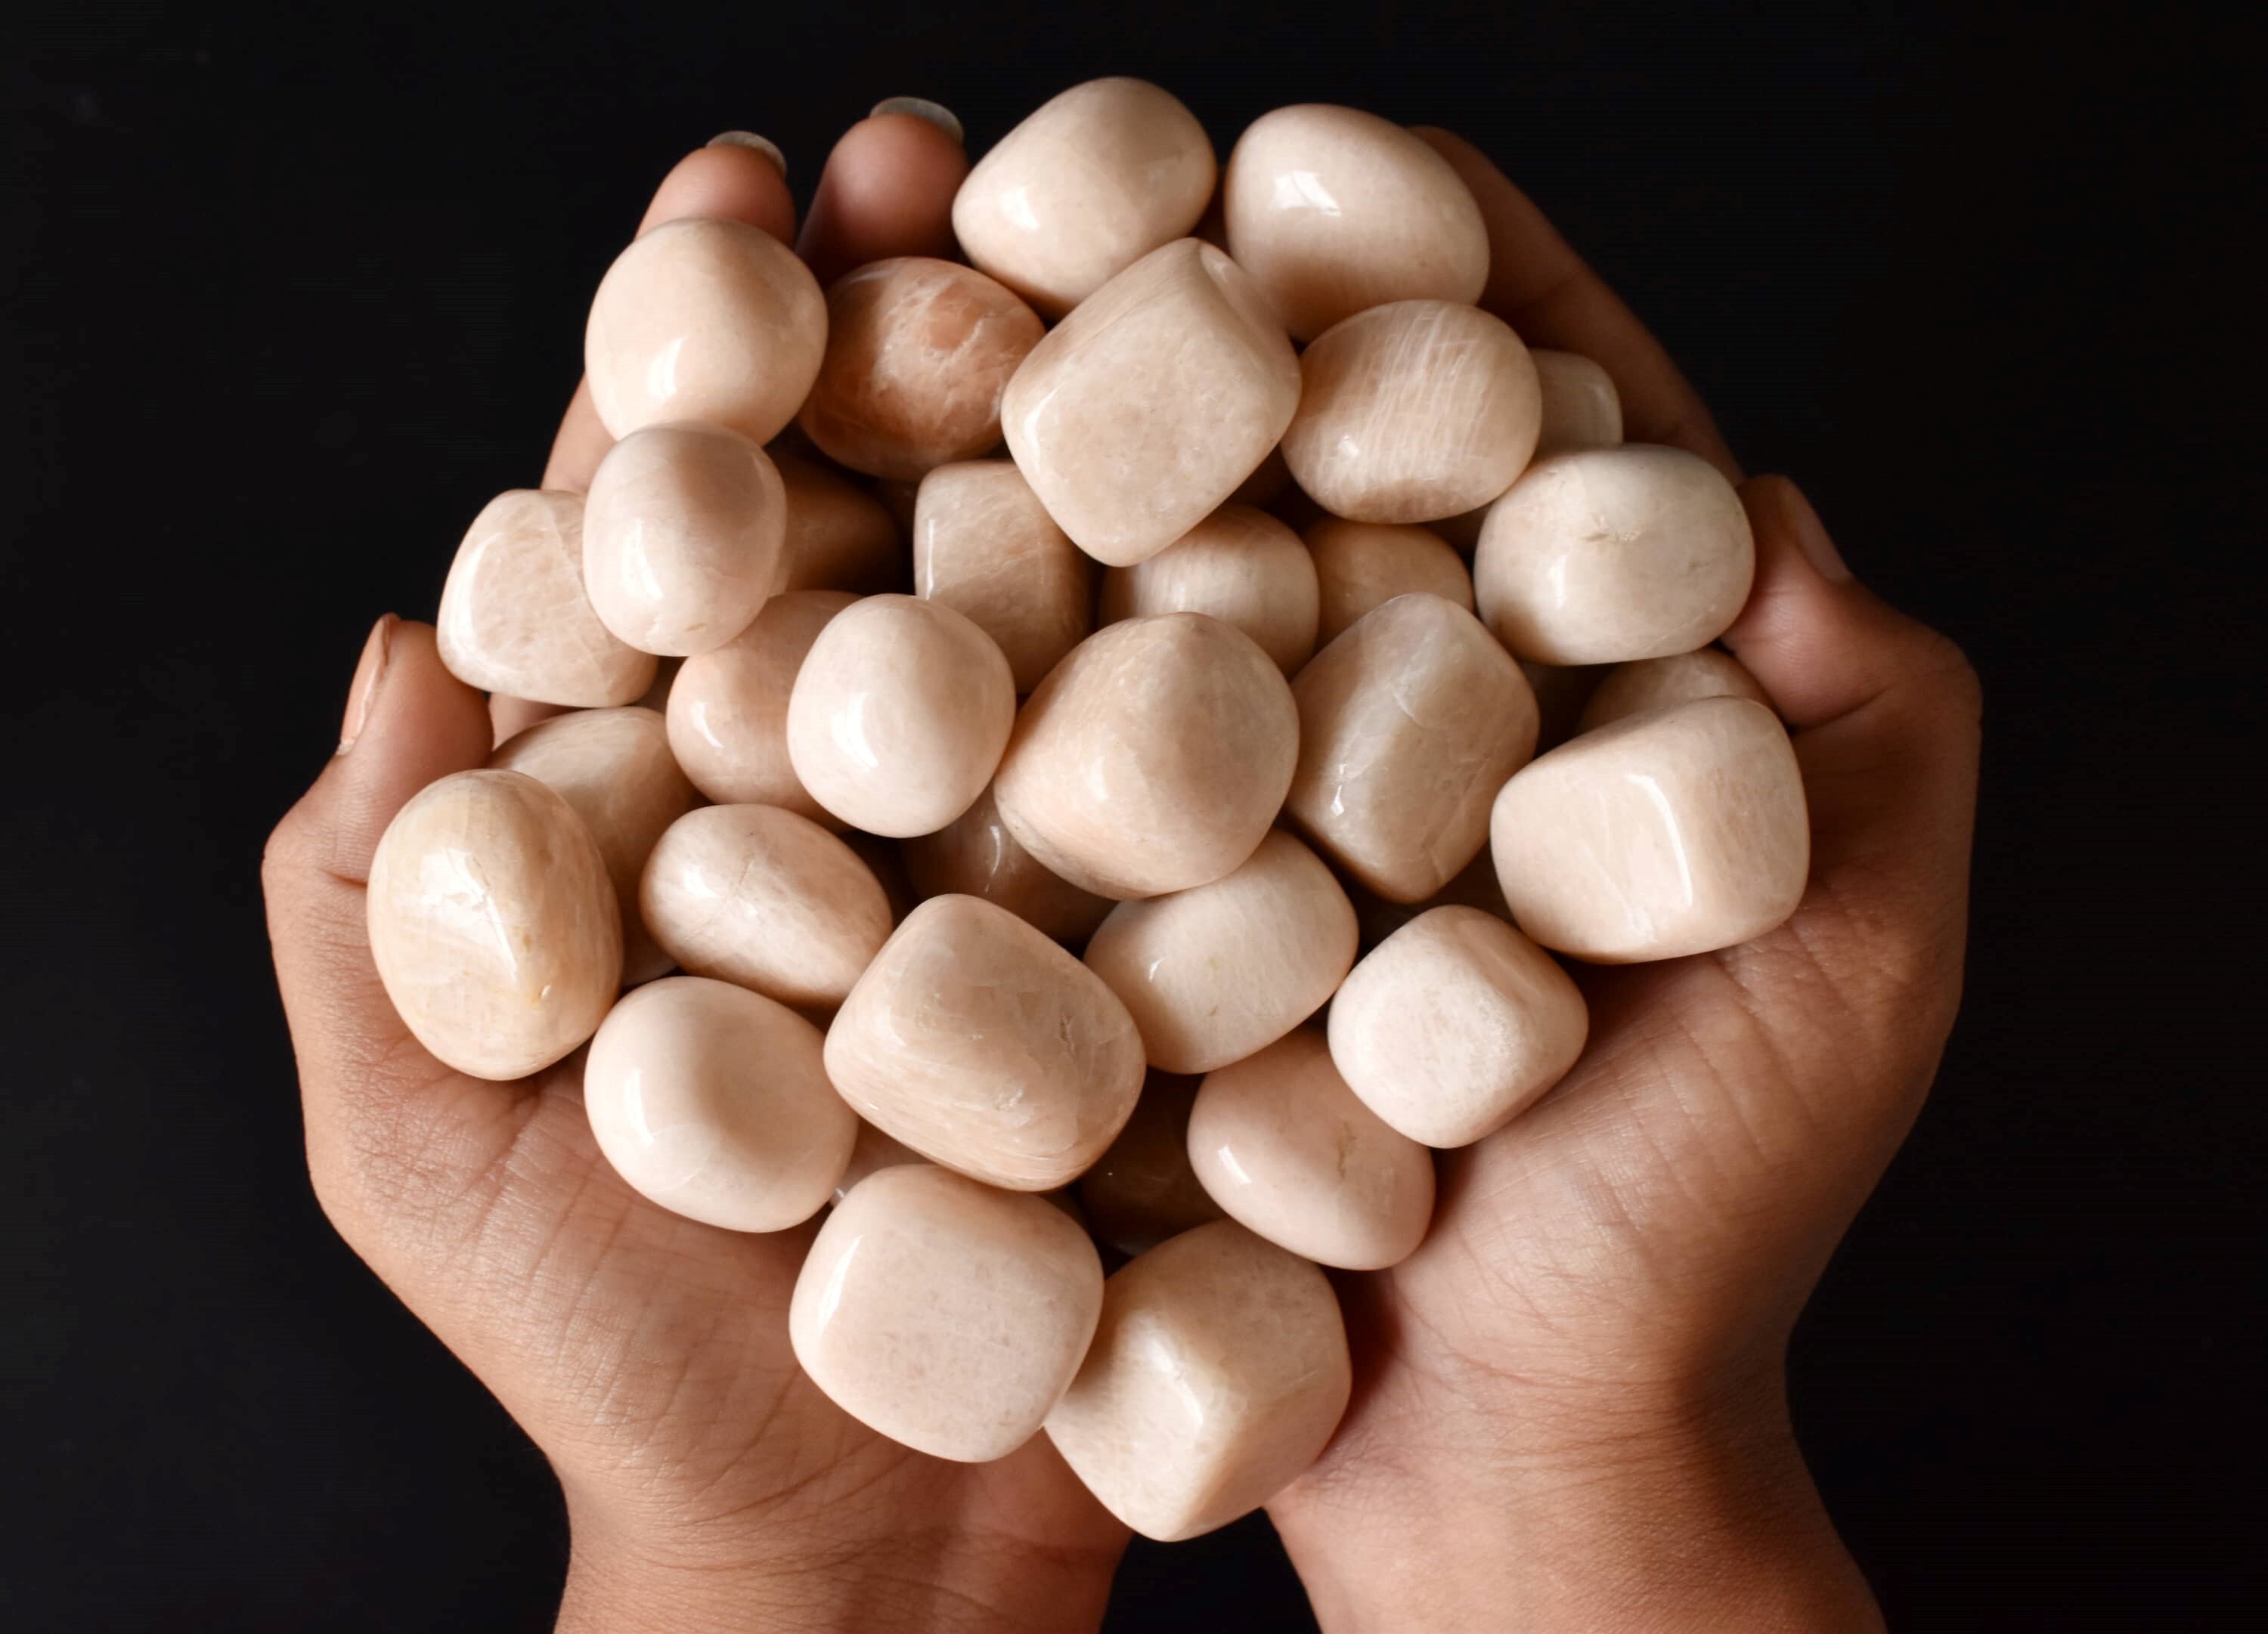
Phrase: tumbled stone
(1239, 565)
(985, 546)
(1142, 1190)
(839, 537)
(1651, 683)
(1581, 408)
(1361, 565)
(728, 709)
(974, 854)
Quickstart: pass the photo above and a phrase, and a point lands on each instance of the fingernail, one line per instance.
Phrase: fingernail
(920, 108)
(1811, 538)
(750, 140)
(368, 673)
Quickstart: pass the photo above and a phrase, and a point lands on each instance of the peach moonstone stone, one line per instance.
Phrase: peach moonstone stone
(984, 1046)
(974, 854)
(1413, 412)
(839, 537)
(1605, 554)
(1146, 408)
(1454, 1024)
(514, 618)
(1090, 183)
(1241, 566)
(1154, 758)
(1336, 211)
(945, 1315)
(1651, 683)
(1361, 565)
(682, 535)
(1143, 1190)
(710, 1100)
(1217, 1375)
(1678, 831)
(1409, 725)
(919, 352)
(1217, 972)
(728, 710)
(704, 320)
(493, 924)
(1581, 408)
(614, 769)
(985, 546)
(873, 1149)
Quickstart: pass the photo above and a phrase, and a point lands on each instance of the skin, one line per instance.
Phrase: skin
(1569, 1409)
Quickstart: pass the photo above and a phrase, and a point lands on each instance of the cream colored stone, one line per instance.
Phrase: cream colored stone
(985, 546)
(873, 1149)
(759, 896)
(945, 1315)
(1214, 973)
(1606, 555)
(1678, 831)
(899, 715)
(1240, 566)
(1216, 1377)
(986, 1048)
(919, 352)
(681, 535)
(493, 923)
(614, 769)
(1361, 565)
(1291, 1153)
(1336, 211)
(974, 854)
(1095, 180)
(1581, 408)
(1453, 1025)
(839, 537)
(710, 1100)
(1653, 683)
(1143, 1190)
(701, 318)
(1413, 412)
(1149, 406)
(728, 710)
(1153, 758)
(514, 618)
(1409, 724)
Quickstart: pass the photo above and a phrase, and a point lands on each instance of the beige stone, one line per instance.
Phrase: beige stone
(681, 535)
(1143, 411)
(1240, 566)
(919, 352)
(514, 618)
(1409, 725)
(974, 854)
(1142, 1190)
(985, 546)
(1605, 554)
(1581, 408)
(1215, 973)
(986, 1048)
(873, 1149)
(899, 715)
(1361, 565)
(728, 710)
(945, 1315)
(1653, 683)
(1678, 831)
(710, 1100)
(701, 318)
(1095, 180)
(839, 537)
(1153, 759)
(493, 923)
(1454, 1024)
(1336, 211)
(1216, 1377)
(759, 896)
(1413, 412)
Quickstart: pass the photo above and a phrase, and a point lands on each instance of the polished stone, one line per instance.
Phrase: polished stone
(728, 708)
(1645, 684)
(985, 546)
(1239, 565)
(839, 537)
(1143, 1190)
(974, 854)
(1581, 408)
(1361, 565)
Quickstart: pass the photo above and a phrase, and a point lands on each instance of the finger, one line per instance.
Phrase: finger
(887, 190)
(1539, 285)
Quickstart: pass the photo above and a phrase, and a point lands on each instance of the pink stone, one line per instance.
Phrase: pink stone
(728, 709)
(1361, 565)
(1581, 408)
(1143, 1190)
(838, 537)
(873, 1149)
(985, 546)
(1651, 683)
(1239, 565)
(974, 854)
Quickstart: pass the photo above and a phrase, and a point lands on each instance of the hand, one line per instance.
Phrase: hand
(709, 1484)
(1569, 1409)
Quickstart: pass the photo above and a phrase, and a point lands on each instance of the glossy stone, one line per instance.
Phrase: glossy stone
(1153, 758)
(1090, 183)
(839, 537)
(1142, 1190)
(919, 352)
(1216, 1377)
(873, 1149)
(704, 320)
(1361, 565)
(514, 618)
(986, 1048)
(728, 710)
(1239, 565)
(1409, 725)
(1413, 412)
(493, 923)
(1652, 683)
(1453, 1025)
(1677, 831)
(1475, 885)
(1214, 973)
(1336, 211)
(985, 546)
(974, 854)
(1581, 408)
(1143, 411)
(1606, 555)
(710, 1100)
(945, 1315)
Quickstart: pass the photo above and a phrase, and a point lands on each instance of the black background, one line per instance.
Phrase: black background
(288, 296)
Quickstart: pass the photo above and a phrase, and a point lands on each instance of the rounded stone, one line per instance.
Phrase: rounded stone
(1645, 684)
(1142, 1190)
(985, 546)
(1239, 565)
(839, 537)
(974, 854)
(1361, 565)
(728, 709)
(1581, 408)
